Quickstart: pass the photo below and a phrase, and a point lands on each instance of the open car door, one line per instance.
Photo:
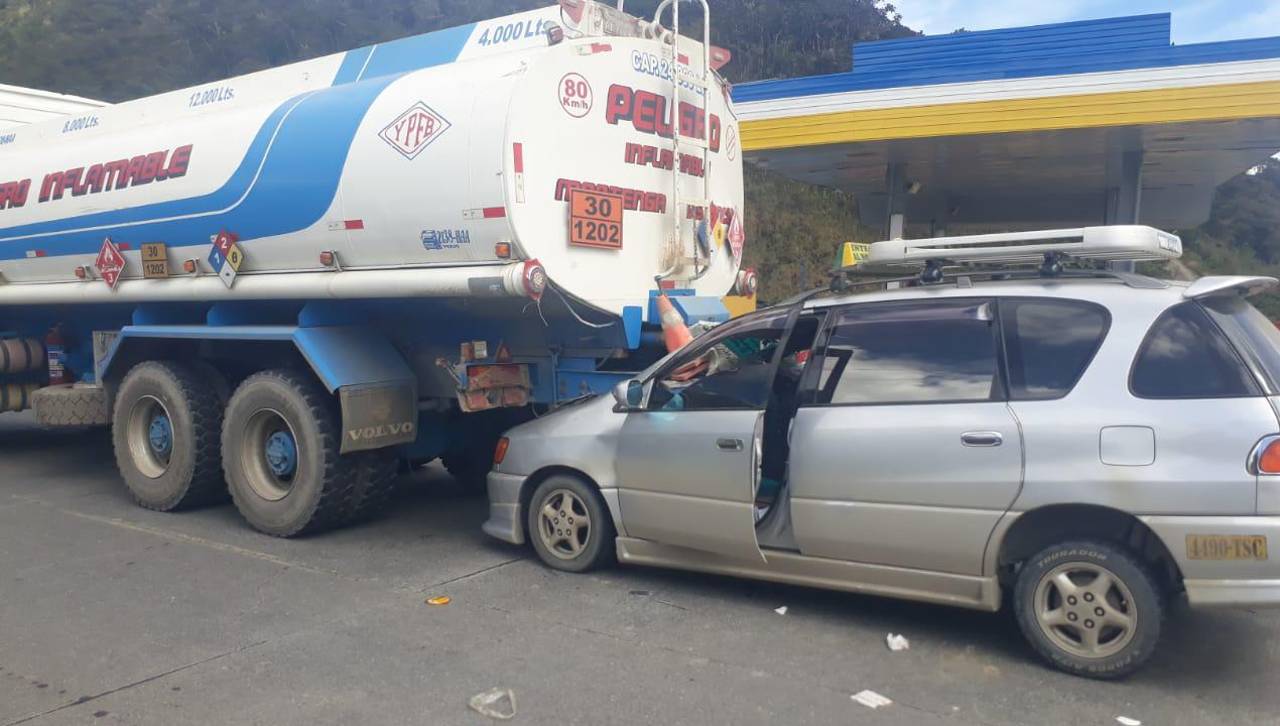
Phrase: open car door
(688, 462)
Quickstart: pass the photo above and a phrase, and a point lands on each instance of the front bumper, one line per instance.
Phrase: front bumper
(1224, 582)
(506, 519)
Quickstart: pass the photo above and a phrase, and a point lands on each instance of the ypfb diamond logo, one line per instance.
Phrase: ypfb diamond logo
(414, 130)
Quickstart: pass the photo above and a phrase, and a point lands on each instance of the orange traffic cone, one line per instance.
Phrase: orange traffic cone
(674, 332)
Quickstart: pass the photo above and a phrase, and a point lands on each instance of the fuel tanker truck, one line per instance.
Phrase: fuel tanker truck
(283, 284)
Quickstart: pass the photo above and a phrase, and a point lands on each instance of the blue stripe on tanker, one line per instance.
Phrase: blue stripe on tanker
(287, 180)
(403, 55)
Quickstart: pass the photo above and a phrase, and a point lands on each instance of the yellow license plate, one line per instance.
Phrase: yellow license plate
(1226, 547)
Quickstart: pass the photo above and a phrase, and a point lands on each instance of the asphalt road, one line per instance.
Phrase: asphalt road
(112, 614)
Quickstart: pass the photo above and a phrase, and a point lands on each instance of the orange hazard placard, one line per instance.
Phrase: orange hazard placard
(595, 219)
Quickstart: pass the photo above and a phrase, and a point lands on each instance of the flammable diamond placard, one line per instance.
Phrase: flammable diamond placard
(110, 263)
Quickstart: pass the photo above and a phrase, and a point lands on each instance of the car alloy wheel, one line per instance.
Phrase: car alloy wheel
(564, 525)
(1085, 610)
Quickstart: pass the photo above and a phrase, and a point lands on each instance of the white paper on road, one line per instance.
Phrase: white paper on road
(897, 642)
(1126, 721)
(781, 611)
(870, 699)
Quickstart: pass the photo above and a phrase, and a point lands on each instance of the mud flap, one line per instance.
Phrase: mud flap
(378, 415)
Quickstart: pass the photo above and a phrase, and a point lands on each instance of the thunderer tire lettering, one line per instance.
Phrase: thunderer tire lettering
(1100, 556)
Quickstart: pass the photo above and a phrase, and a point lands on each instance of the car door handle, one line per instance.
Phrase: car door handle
(729, 444)
(982, 438)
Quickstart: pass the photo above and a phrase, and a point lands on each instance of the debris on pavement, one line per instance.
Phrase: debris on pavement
(439, 600)
(1126, 721)
(870, 699)
(897, 642)
(496, 703)
(781, 611)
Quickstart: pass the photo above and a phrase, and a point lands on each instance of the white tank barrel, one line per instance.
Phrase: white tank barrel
(461, 148)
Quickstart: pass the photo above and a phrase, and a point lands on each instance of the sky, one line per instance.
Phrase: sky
(1194, 21)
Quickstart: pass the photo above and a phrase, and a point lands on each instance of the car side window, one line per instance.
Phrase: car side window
(731, 371)
(1048, 344)
(919, 352)
(1185, 355)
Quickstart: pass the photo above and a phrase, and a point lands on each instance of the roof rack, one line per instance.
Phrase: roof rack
(1046, 248)
(841, 284)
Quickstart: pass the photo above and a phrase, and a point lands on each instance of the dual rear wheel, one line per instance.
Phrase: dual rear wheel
(182, 439)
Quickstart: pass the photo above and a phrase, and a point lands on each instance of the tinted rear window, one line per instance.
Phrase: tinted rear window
(1186, 356)
(1255, 337)
(1049, 343)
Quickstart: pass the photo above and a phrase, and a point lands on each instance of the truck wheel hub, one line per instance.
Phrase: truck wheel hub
(160, 436)
(282, 454)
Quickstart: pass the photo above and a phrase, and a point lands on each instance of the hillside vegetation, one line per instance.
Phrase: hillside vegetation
(1243, 234)
(117, 50)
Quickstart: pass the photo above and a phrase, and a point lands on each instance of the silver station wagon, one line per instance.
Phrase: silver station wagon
(1091, 444)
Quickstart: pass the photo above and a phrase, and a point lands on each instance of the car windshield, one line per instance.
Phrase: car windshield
(1253, 334)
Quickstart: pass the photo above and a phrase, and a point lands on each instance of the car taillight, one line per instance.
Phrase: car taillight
(1266, 456)
(500, 451)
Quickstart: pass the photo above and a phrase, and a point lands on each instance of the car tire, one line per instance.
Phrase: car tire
(1091, 609)
(280, 450)
(165, 431)
(560, 535)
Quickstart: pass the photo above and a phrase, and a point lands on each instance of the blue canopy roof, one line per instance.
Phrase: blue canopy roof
(1085, 46)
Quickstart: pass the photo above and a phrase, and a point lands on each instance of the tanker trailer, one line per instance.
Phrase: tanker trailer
(284, 283)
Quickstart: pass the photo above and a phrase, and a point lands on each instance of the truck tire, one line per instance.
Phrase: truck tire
(280, 451)
(373, 481)
(71, 405)
(471, 460)
(165, 433)
(470, 468)
(214, 378)
(1089, 608)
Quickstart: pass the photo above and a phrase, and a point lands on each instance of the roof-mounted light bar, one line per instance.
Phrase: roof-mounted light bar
(1116, 242)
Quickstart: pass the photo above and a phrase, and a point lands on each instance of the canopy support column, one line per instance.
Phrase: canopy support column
(1124, 202)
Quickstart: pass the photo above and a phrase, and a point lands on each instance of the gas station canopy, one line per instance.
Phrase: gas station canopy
(1071, 124)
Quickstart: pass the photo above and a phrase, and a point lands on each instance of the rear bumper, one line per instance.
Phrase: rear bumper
(506, 519)
(1224, 582)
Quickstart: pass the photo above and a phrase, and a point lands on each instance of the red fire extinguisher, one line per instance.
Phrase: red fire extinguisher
(55, 349)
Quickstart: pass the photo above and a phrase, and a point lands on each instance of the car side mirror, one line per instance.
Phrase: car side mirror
(629, 395)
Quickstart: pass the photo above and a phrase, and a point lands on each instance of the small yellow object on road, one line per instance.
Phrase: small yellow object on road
(439, 600)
